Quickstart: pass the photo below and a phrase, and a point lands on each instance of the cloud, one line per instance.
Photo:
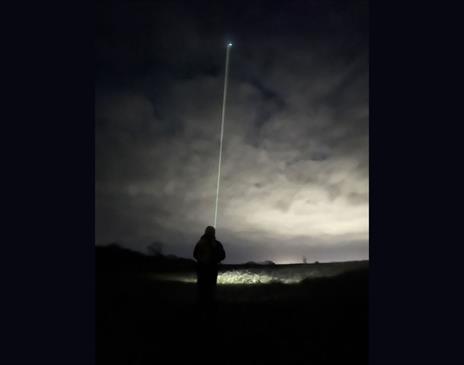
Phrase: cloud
(295, 160)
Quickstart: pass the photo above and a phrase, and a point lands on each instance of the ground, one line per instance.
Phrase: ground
(141, 320)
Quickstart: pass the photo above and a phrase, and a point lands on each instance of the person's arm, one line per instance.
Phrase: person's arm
(221, 254)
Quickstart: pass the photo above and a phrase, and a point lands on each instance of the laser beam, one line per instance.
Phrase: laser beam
(226, 78)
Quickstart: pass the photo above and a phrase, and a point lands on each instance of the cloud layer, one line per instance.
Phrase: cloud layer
(295, 159)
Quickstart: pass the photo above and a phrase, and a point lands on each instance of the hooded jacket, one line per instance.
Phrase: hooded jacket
(209, 251)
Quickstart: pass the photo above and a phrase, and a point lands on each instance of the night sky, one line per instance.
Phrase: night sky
(296, 149)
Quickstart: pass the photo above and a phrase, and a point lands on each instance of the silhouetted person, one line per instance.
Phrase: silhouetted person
(209, 253)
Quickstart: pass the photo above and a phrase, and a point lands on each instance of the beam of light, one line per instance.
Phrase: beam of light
(226, 77)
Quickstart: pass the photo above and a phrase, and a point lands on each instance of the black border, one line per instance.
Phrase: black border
(48, 255)
(415, 192)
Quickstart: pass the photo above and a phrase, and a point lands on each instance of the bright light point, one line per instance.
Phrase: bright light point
(229, 45)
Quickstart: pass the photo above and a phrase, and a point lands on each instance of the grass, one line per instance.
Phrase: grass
(318, 321)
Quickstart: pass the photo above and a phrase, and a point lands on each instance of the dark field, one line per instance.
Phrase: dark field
(318, 321)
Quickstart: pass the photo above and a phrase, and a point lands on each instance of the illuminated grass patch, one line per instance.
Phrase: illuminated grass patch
(285, 274)
(234, 277)
(242, 277)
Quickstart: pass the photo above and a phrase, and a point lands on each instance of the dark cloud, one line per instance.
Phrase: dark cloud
(295, 159)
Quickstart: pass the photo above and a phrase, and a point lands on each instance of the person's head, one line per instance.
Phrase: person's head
(210, 232)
